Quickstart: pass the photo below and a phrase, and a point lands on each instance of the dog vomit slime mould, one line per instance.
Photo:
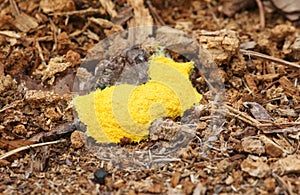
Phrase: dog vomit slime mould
(127, 110)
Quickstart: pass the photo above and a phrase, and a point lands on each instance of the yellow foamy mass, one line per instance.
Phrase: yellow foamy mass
(127, 110)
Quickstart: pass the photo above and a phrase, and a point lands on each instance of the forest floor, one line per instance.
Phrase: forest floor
(257, 52)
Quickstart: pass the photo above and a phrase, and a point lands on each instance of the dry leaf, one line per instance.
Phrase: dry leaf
(258, 111)
(232, 7)
(291, 8)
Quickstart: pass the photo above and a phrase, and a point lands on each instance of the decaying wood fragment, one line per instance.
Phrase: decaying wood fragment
(222, 45)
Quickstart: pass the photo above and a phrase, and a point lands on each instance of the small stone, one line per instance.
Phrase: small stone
(99, 176)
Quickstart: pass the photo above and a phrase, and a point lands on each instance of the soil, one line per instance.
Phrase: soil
(256, 151)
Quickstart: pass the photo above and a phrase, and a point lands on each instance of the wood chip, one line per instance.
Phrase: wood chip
(255, 166)
(47, 72)
(253, 145)
(109, 6)
(155, 188)
(289, 88)
(142, 15)
(175, 179)
(49, 6)
(290, 164)
(25, 22)
(272, 148)
(222, 45)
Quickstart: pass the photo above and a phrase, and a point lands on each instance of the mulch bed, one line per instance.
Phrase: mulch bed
(256, 47)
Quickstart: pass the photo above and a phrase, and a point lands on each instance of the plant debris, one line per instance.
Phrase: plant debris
(255, 152)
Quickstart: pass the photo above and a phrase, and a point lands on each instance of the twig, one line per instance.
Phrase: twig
(77, 12)
(270, 58)
(54, 31)
(248, 119)
(11, 34)
(14, 8)
(284, 185)
(215, 18)
(12, 152)
(40, 51)
(243, 116)
(261, 13)
(155, 14)
(11, 105)
(78, 32)
(280, 125)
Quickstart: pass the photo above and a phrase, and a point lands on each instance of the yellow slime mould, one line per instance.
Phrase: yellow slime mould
(127, 110)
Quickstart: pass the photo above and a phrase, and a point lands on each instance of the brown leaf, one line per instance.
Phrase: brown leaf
(258, 111)
(287, 6)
